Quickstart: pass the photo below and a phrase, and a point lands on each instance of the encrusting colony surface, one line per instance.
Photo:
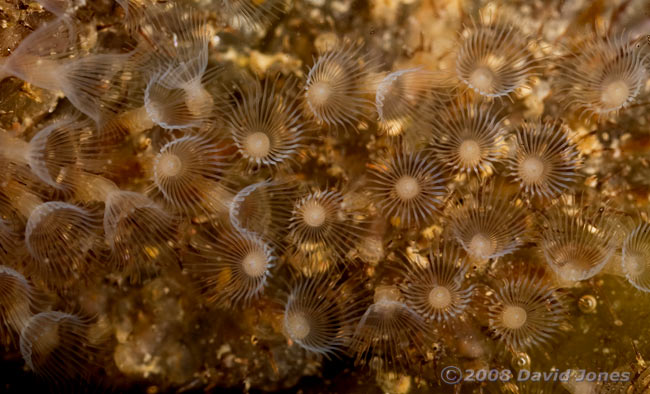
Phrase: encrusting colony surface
(201, 195)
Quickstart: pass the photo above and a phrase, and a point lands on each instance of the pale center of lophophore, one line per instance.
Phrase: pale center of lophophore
(634, 263)
(439, 297)
(481, 246)
(170, 165)
(198, 100)
(573, 265)
(386, 294)
(615, 94)
(297, 326)
(314, 214)
(482, 79)
(531, 170)
(49, 338)
(319, 93)
(513, 317)
(469, 152)
(407, 187)
(257, 144)
(386, 299)
(254, 263)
